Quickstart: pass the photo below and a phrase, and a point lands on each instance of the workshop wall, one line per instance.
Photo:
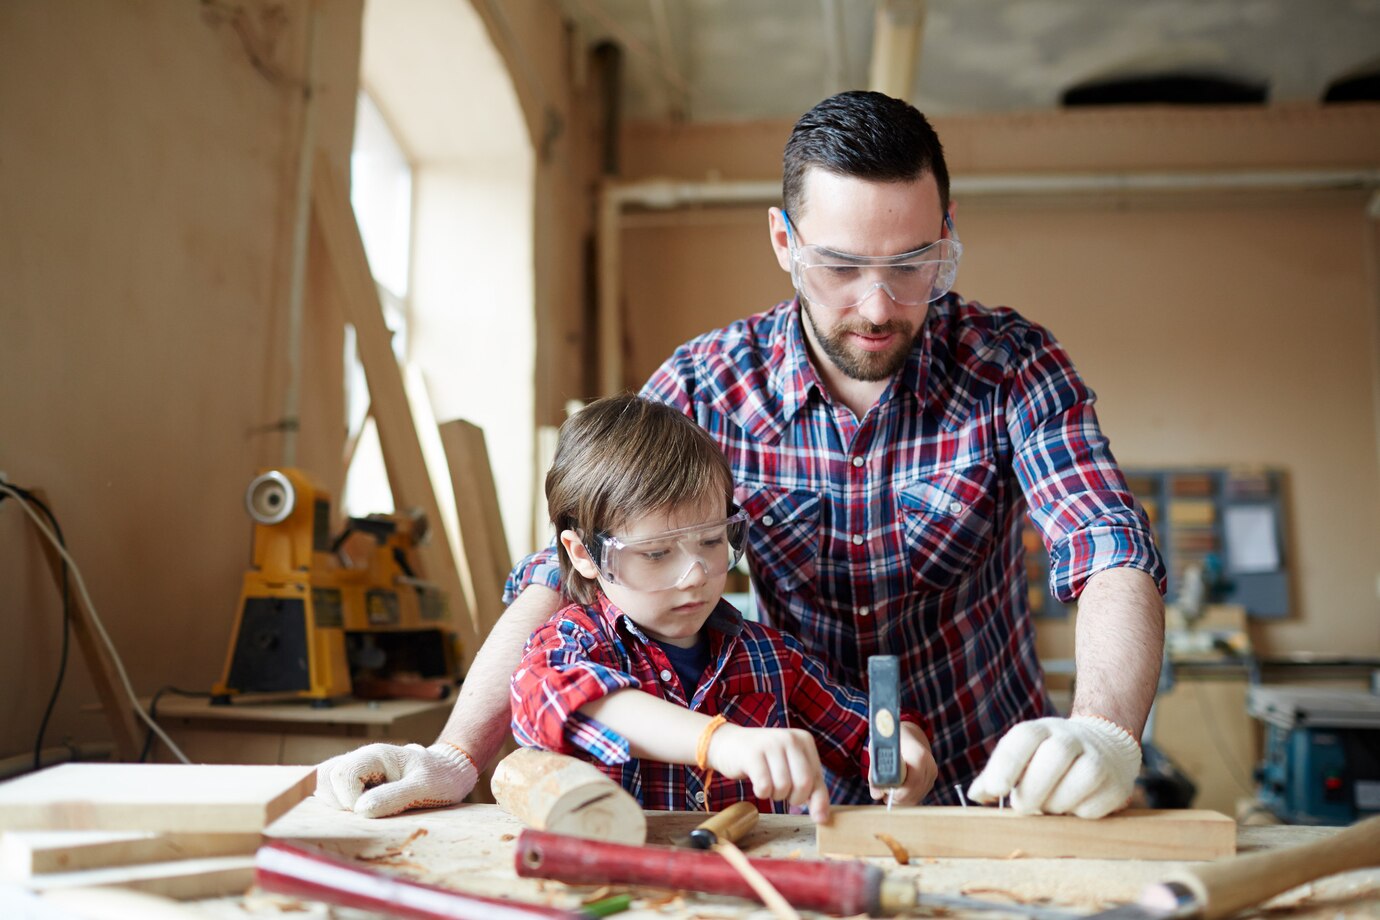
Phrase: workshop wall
(149, 168)
(1217, 328)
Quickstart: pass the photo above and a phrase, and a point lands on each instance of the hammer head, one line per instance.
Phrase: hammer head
(884, 727)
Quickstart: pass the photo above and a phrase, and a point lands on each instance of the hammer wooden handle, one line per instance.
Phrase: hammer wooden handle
(730, 824)
(1222, 888)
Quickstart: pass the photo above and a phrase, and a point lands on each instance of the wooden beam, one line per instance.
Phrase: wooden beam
(402, 448)
(483, 541)
(119, 709)
(992, 833)
(896, 40)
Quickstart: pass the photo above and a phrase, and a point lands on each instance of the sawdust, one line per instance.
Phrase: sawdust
(399, 850)
(1016, 854)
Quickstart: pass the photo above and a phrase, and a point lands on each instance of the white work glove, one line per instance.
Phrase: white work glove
(1084, 765)
(378, 780)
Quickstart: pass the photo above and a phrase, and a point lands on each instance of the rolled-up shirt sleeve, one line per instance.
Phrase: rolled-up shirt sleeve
(559, 673)
(1077, 495)
(541, 568)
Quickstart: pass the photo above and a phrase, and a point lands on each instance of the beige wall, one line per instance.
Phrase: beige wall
(1216, 328)
(145, 215)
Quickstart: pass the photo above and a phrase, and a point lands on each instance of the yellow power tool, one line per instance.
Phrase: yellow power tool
(313, 626)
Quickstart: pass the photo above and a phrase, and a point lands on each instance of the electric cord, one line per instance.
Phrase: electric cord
(153, 712)
(66, 625)
(96, 623)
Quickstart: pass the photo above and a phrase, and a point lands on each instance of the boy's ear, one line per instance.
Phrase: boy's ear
(579, 556)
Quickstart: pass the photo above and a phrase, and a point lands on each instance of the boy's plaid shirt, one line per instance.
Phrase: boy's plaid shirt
(757, 677)
(900, 533)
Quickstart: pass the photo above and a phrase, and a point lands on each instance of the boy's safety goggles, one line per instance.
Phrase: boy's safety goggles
(837, 280)
(663, 561)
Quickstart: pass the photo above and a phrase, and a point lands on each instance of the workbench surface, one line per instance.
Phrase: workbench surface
(470, 848)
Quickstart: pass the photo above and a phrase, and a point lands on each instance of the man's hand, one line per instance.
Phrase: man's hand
(1084, 765)
(920, 769)
(383, 779)
(781, 763)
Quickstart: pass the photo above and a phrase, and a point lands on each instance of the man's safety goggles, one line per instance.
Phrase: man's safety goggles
(663, 561)
(837, 280)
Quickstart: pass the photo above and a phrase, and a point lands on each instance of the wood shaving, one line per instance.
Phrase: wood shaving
(597, 894)
(506, 837)
(898, 852)
(998, 892)
(1016, 854)
(396, 851)
(793, 854)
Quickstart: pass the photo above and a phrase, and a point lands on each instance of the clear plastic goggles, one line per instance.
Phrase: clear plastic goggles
(665, 560)
(837, 280)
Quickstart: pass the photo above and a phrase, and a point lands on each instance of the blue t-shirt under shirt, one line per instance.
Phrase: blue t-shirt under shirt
(689, 662)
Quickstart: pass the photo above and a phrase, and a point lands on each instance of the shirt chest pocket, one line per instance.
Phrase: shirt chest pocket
(948, 519)
(784, 536)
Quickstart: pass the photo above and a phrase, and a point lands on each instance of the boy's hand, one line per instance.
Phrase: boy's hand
(781, 763)
(920, 768)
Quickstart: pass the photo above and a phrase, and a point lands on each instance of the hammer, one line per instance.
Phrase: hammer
(883, 723)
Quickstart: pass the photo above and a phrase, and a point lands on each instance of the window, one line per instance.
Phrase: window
(381, 193)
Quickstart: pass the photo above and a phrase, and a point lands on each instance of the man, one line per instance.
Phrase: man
(886, 437)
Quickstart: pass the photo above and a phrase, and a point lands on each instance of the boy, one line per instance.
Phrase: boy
(650, 674)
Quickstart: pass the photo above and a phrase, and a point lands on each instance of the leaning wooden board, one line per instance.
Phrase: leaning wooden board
(153, 797)
(992, 833)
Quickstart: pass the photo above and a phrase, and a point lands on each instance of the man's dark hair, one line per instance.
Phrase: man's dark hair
(622, 457)
(863, 135)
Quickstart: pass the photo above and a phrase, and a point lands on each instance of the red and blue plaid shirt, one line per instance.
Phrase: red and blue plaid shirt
(757, 677)
(899, 533)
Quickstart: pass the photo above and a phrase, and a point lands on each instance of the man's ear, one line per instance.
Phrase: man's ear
(579, 556)
(780, 240)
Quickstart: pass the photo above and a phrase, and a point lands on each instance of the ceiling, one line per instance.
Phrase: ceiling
(713, 60)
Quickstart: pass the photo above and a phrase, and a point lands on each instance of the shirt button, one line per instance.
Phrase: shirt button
(864, 611)
(699, 797)
(857, 461)
(666, 675)
(768, 520)
(857, 539)
(955, 507)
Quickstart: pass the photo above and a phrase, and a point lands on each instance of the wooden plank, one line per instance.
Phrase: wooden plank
(153, 797)
(481, 523)
(27, 853)
(992, 833)
(126, 732)
(402, 448)
(213, 877)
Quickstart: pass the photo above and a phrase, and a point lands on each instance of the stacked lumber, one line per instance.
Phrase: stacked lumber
(169, 830)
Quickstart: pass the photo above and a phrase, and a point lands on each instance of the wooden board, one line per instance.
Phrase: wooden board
(153, 797)
(484, 542)
(26, 853)
(186, 878)
(402, 448)
(992, 833)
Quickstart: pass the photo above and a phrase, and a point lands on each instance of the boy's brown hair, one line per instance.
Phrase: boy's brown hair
(622, 457)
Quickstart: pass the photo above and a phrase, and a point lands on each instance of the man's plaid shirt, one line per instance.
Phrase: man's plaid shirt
(757, 677)
(900, 533)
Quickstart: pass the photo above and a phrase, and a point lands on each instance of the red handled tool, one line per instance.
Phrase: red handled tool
(842, 888)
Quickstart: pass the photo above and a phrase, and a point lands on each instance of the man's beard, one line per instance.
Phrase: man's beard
(867, 366)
